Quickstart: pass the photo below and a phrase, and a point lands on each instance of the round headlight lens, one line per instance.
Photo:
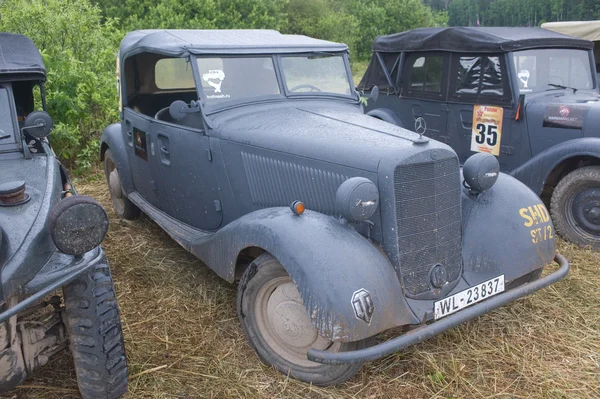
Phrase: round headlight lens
(357, 199)
(481, 172)
(78, 224)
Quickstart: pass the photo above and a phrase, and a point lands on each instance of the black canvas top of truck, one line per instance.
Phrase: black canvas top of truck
(180, 43)
(473, 39)
(18, 57)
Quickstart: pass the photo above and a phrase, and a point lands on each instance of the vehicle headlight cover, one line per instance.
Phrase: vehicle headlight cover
(357, 199)
(481, 172)
(77, 224)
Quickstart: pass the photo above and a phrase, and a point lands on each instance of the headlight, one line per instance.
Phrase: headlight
(357, 199)
(481, 172)
(77, 224)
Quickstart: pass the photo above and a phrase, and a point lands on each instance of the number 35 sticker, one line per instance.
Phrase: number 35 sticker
(487, 129)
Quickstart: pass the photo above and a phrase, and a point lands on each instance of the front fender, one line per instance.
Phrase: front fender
(506, 230)
(327, 260)
(535, 172)
(112, 137)
(386, 115)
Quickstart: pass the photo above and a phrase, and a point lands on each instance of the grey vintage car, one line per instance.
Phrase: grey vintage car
(49, 240)
(251, 149)
(528, 96)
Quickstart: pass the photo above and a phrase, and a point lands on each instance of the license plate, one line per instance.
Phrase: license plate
(468, 297)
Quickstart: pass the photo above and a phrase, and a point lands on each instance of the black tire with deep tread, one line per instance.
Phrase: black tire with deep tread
(130, 210)
(263, 269)
(567, 187)
(95, 335)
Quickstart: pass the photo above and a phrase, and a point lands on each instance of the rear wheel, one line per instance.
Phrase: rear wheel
(95, 336)
(575, 207)
(279, 328)
(122, 205)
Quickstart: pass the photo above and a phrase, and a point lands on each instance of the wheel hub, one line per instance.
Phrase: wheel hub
(586, 210)
(115, 184)
(289, 318)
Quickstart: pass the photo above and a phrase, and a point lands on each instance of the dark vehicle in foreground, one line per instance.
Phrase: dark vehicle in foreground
(49, 240)
(526, 95)
(251, 149)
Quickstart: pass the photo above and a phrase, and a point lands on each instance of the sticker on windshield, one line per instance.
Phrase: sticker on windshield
(524, 76)
(214, 78)
(487, 129)
(564, 116)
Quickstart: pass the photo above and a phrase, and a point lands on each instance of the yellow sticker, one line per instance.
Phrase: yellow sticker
(486, 133)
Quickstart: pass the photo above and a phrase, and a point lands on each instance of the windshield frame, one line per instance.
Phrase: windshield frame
(514, 71)
(15, 144)
(284, 94)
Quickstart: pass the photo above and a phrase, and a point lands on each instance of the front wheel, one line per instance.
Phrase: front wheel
(95, 336)
(279, 328)
(123, 206)
(575, 207)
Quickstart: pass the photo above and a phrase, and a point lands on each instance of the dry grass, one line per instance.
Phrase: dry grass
(183, 338)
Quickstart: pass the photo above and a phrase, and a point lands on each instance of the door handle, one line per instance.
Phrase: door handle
(164, 150)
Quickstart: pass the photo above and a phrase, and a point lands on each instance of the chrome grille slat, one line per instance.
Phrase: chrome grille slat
(429, 221)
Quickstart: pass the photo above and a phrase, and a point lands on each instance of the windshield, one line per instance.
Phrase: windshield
(227, 79)
(7, 128)
(315, 74)
(540, 70)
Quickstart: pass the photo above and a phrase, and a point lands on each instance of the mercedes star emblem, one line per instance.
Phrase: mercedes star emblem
(420, 125)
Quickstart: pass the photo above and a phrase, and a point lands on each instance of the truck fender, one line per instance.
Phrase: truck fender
(112, 138)
(506, 230)
(338, 272)
(535, 172)
(386, 115)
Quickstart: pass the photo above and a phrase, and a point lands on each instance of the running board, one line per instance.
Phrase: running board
(183, 233)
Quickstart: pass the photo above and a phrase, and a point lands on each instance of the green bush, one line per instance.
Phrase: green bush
(79, 50)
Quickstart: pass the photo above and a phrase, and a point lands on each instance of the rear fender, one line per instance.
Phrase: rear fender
(330, 263)
(535, 172)
(506, 230)
(112, 137)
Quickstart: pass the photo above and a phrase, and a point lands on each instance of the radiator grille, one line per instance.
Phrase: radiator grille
(429, 221)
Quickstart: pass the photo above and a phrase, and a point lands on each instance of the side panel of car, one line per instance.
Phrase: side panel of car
(112, 137)
(188, 181)
(423, 93)
(137, 133)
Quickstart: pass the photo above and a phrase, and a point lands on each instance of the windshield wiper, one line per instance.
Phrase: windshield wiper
(563, 87)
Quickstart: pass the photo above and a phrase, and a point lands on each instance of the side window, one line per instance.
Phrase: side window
(478, 76)
(152, 82)
(424, 75)
(173, 73)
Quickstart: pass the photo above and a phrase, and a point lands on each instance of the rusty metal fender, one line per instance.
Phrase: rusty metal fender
(506, 230)
(347, 284)
(112, 137)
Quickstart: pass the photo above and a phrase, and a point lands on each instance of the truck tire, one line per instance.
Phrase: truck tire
(575, 207)
(279, 329)
(123, 206)
(95, 336)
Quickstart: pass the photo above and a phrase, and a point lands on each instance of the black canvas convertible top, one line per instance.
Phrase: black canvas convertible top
(19, 58)
(472, 39)
(180, 43)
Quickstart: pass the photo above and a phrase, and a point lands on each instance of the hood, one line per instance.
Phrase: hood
(336, 134)
(565, 109)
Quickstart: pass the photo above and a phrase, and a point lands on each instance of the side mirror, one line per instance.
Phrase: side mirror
(180, 109)
(38, 124)
(374, 93)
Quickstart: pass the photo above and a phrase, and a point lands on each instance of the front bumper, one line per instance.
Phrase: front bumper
(60, 270)
(429, 330)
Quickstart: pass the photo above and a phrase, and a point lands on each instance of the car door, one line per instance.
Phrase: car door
(137, 134)
(422, 100)
(188, 180)
(481, 110)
